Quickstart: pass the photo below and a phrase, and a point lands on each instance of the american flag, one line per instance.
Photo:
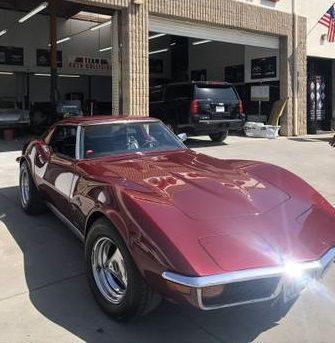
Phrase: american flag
(328, 20)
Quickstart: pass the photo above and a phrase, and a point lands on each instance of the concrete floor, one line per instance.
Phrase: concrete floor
(44, 295)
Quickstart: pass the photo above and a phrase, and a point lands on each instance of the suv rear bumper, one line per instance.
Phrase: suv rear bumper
(208, 126)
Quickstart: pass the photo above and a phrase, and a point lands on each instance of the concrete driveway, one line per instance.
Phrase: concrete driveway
(44, 296)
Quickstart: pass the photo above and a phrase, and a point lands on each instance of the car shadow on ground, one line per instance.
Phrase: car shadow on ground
(310, 139)
(54, 274)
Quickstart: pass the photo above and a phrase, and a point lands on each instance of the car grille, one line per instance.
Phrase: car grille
(240, 292)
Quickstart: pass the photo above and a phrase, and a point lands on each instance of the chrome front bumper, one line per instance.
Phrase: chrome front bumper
(315, 269)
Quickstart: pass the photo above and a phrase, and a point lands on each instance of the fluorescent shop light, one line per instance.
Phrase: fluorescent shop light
(60, 75)
(106, 49)
(38, 9)
(157, 36)
(158, 51)
(3, 32)
(63, 40)
(42, 74)
(69, 76)
(97, 27)
(202, 42)
(6, 73)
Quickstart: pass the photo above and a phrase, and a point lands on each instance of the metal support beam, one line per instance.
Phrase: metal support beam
(53, 58)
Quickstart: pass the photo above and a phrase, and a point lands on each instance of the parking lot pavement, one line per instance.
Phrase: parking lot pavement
(44, 295)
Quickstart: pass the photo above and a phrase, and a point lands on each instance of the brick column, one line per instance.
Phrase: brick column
(116, 65)
(302, 76)
(135, 63)
(286, 80)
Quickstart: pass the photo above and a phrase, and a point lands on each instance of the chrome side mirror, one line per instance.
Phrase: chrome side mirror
(182, 137)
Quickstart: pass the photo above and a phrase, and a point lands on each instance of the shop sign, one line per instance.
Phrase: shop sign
(43, 58)
(89, 63)
(11, 56)
(264, 68)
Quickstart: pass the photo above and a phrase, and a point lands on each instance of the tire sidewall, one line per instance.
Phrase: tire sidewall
(128, 306)
(219, 137)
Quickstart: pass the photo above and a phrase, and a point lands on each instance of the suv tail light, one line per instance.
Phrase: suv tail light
(240, 107)
(194, 107)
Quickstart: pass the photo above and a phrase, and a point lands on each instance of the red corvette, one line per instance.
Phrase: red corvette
(159, 220)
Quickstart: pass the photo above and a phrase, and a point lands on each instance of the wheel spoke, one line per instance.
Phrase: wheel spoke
(109, 270)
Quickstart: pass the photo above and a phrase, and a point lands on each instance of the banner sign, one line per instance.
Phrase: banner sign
(43, 58)
(89, 63)
(11, 56)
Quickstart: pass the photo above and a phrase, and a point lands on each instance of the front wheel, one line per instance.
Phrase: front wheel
(113, 276)
(219, 137)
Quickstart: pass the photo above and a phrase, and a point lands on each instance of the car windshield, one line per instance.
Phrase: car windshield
(216, 93)
(129, 137)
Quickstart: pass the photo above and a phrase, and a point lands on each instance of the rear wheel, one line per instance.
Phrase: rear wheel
(113, 276)
(31, 200)
(219, 137)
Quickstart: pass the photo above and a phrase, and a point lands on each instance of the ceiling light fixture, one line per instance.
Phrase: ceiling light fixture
(157, 36)
(3, 32)
(97, 27)
(202, 42)
(71, 76)
(60, 75)
(63, 40)
(158, 51)
(6, 73)
(106, 49)
(42, 74)
(34, 11)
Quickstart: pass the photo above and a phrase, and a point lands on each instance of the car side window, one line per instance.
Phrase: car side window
(63, 141)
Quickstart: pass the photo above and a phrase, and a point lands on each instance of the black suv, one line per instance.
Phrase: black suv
(198, 108)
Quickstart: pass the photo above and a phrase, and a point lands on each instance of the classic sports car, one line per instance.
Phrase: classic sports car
(159, 220)
(11, 115)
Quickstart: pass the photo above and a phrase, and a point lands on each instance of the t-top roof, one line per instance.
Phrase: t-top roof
(105, 119)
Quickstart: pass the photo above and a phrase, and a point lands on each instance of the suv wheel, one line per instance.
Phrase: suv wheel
(113, 276)
(219, 137)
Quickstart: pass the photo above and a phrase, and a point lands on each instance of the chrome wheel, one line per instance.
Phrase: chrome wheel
(24, 187)
(109, 270)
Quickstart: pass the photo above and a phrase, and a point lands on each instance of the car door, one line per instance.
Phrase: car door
(56, 174)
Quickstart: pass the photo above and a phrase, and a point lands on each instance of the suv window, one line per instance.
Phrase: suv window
(63, 141)
(216, 93)
(178, 92)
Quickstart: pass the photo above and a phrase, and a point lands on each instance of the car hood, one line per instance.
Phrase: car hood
(212, 215)
(201, 187)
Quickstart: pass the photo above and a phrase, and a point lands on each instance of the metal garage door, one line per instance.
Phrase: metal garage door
(179, 28)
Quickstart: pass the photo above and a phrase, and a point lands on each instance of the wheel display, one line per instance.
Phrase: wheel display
(114, 278)
(219, 137)
(30, 199)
